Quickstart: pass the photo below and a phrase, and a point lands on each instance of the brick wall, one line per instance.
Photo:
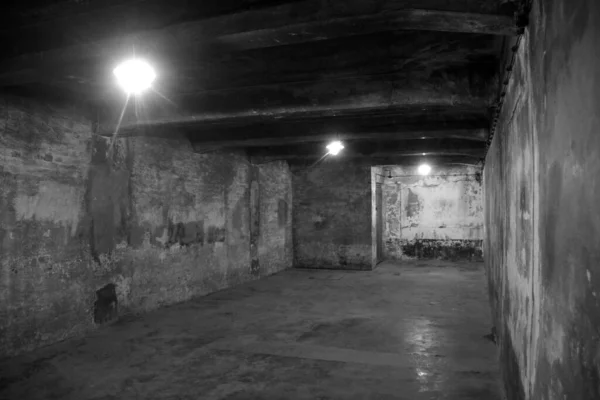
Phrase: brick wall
(90, 230)
(332, 215)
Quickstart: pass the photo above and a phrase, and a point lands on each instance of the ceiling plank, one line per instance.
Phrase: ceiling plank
(403, 93)
(379, 148)
(284, 139)
(395, 51)
(382, 90)
(405, 113)
(401, 153)
(390, 159)
(440, 116)
(425, 20)
(274, 26)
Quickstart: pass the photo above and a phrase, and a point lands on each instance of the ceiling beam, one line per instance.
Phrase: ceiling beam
(201, 144)
(396, 51)
(383, 154)
(274, 26)
(409, 114)
(392, 159)
(402, 93)
(379, 148)
(74, 22)
(382, 90)
(425, 20)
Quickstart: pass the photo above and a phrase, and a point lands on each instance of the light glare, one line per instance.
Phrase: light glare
(334, 148)
(424, 169)
(135, 76)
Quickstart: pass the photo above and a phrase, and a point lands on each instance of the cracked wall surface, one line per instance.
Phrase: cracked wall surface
(435, 216)
(541, 197)
(90, 230)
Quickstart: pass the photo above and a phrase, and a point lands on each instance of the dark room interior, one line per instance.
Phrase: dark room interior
(300, 199)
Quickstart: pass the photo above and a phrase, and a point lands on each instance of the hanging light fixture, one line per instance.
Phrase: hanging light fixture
(135, 76)
(334, 147)
(424, 169)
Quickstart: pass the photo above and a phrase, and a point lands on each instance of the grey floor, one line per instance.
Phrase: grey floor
(404, 331)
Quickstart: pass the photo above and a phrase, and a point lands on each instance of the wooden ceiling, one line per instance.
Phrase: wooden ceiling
(393, 78)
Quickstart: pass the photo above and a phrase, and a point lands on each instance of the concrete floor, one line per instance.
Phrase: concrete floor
(405, 331)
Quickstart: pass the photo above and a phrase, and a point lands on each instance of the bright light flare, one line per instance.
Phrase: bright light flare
(135, 76)
(334, 148)
(424, 169)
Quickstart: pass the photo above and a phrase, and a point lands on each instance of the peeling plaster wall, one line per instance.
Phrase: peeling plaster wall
(437, 216)
(541, 201)
(146, 221)
(332, 215)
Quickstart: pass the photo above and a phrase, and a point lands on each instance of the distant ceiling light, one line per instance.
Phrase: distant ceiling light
(424, 169)
(334, 148)
(135, 76)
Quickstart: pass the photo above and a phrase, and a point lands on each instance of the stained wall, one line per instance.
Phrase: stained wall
(541, 219)
(91, 229)
(434, 216)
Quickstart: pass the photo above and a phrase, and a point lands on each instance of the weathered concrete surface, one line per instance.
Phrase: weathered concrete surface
(90, 231)
(437, 216)
(542, 196)
(332, 215)
(412, 331)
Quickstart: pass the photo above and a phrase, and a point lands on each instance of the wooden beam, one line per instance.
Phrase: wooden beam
(432, 154)
(387, 90)
(426, 20)
(378, 148)
(396, 52)
(439, 114)
(201, 144)
(274, 26)
(400, 93)
(74, 22)
(393, 159)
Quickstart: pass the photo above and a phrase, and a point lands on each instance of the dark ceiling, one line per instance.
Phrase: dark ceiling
(393, 78)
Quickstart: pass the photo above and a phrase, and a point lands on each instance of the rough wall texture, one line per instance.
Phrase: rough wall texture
(542, 196)
(437, 216)
(90, 231)
(332, 215)
(275, 232)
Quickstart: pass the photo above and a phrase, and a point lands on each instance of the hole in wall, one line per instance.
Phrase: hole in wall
(106, 304)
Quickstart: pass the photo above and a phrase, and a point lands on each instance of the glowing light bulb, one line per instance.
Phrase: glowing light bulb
(335, 147)
(135, 76)
(424, 169)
